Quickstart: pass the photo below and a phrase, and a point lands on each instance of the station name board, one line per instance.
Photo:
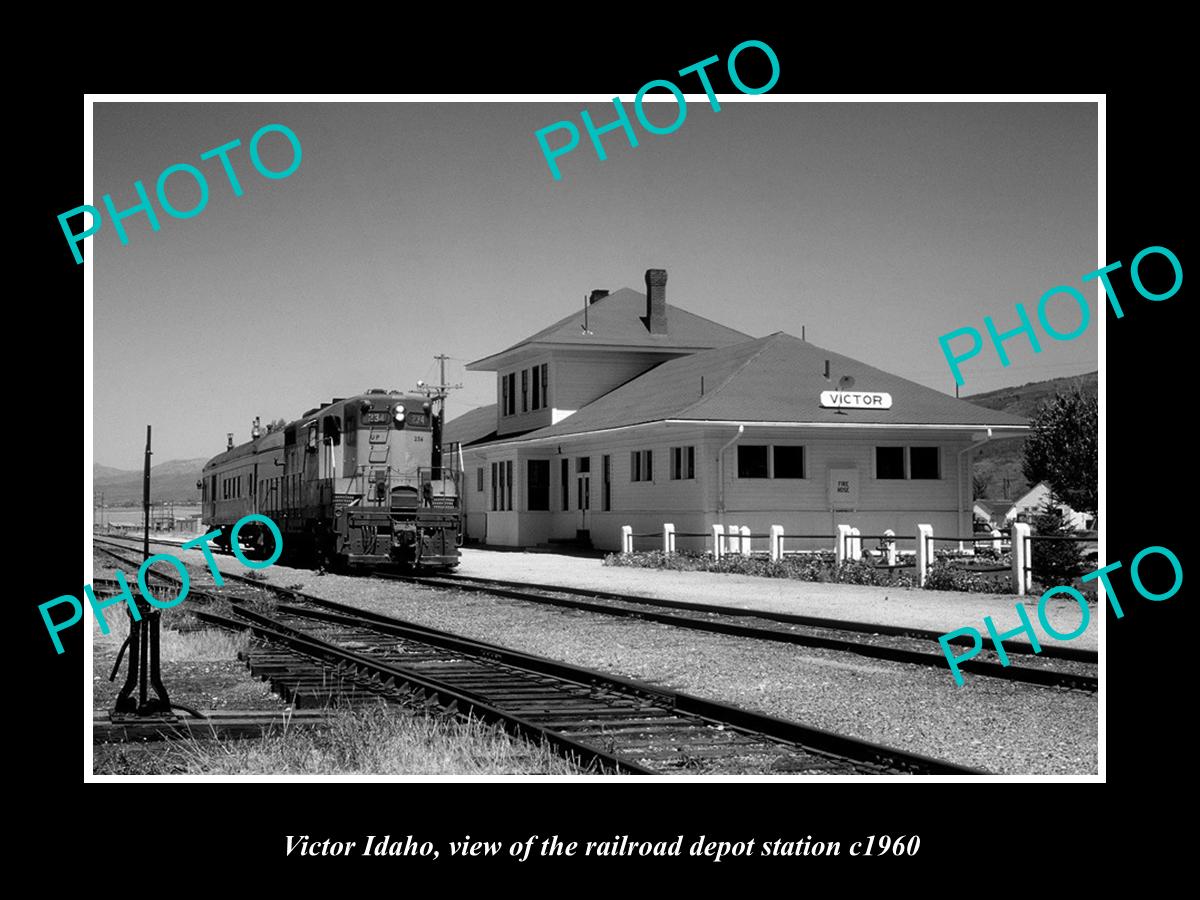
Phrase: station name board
(856, 400)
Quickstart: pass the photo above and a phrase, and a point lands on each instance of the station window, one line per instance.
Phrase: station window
(787, 462)
(606, 492)
(683, 463)
(545, 378)
(565, 484)
(916, 463)
(924, 462)
(502, 473)
(537, 388)
(583, 464)
(510, 394)
(524, 390)
(752, 461)
(889, 462)
(641, 465)
(479, 479)
(538, 484)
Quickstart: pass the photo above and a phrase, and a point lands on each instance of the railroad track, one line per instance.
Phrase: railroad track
(891, 643)
(316, 649)
(896, 644)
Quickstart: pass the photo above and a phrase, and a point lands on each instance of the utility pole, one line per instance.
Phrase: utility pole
(438, 392)
(146, 500)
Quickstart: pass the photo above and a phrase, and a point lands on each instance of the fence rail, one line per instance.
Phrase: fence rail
(847, 545)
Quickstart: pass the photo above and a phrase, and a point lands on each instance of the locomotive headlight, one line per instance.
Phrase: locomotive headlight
(399, 412)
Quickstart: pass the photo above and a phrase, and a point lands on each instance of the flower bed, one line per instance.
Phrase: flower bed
(816, 566)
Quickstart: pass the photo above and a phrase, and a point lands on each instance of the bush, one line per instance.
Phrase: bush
(1055, 562)
(820, 566)
(946, 575)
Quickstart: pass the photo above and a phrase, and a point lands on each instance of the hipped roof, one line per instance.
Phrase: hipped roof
(778, 378)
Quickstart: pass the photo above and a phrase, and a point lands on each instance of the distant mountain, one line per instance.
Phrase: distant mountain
(172, 480)
(99, 471)
(1000, 461)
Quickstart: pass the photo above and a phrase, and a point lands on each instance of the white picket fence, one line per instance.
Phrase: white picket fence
(847, 544)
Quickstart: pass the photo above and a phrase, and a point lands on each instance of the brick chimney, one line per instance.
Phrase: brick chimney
(656, 301)
(598, 294)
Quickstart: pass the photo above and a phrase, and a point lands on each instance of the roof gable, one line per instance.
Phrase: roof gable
(620, 320)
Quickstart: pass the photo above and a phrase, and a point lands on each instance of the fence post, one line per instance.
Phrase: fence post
(996, 539)
(890, 546)
(745, 540)
(1022, 557)
(843, 542)
(855, 544)
(924, 552)
(626, 538)
(668, 538)
(718, 540)
(733, 543)
(776, 542)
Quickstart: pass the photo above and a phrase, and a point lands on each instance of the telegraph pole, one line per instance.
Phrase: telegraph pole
(146, 500)
(437, 392)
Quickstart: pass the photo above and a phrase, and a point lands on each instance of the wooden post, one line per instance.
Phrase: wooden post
(776, 542)
(668, 538)
(924, 552)
(843, 543)
(718, 540)
(1022, 558)
(626, 538)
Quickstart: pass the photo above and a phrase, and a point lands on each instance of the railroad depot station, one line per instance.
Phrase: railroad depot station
(632, 411)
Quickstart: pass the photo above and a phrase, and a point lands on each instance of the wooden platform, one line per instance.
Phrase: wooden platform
(225, 723)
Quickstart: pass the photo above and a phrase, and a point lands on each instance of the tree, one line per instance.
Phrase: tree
(277, 425)
(1054, 562)
(980, 484)
(1061, 449)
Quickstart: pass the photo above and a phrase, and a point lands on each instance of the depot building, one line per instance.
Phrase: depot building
(633, 411)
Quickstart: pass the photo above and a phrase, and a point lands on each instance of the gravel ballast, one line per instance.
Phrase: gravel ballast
(1002, 727)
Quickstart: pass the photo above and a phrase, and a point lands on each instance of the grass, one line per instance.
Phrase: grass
(377, 740)
(176, 646)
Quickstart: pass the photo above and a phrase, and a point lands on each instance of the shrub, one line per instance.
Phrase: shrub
(1055, 562)
(820, 566)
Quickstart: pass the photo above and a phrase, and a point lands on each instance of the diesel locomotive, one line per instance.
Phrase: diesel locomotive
(358, 481)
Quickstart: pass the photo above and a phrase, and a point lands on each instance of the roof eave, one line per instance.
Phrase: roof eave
(1017, 430)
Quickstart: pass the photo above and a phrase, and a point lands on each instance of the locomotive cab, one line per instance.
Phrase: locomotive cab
(357, 481)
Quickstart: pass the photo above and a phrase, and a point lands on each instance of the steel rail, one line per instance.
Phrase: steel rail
(379, 675)
(1025, 674)
(758, 725)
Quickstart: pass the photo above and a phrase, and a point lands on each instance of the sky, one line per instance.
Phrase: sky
(411, 229)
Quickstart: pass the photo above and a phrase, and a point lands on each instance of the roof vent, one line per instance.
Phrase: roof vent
(376, 391)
